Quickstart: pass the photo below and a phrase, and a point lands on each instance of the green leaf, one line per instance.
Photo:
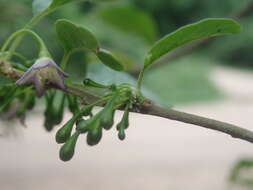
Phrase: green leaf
(109, 60)
(203, 29)
(75, 37)
(130, 19)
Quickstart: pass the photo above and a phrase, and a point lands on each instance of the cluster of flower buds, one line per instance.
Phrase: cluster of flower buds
(44, 73)
(93, 125)
(41, 74)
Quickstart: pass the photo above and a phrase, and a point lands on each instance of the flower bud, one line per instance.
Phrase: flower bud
(64, 133)
(31, 102)
(59, 111)
(107, 119)
(68, 149)
(91, 83)
(82, 126)
(94, 135)
(124, 123)
(122, 134)
(49, 124)
(87, 111)
(72, 104)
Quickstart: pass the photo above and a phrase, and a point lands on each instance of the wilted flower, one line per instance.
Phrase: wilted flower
(43, 71)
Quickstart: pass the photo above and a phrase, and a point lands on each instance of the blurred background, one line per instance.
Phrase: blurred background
(212, 78)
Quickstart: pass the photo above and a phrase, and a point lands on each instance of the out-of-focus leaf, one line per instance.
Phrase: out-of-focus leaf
(130, 19)
(203, 29)
(184, 81)
(40, 5)
(109, 60)
(75, 37)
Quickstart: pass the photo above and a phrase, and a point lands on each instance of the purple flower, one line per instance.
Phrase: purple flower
(43, 71)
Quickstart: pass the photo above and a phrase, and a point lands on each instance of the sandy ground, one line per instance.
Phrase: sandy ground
(158, 154)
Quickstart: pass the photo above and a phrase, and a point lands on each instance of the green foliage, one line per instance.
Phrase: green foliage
(108, 59)
(202, 29)
(183, 81)
(130, 19)
(75, 37)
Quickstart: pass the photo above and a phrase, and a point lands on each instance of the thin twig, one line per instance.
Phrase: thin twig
(230, 129)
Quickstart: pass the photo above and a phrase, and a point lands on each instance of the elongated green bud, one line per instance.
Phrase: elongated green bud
(49, 113)
(91, 83)
(107, 117)
(82, 126)
(122, 134)
(123, 124)
(125, 120)
(72, 104)
(19, 67)
(64, 133)
(59, 111)
(68, 149)
(31, 102)
(87, 111)
(94, 135)
(49, 124)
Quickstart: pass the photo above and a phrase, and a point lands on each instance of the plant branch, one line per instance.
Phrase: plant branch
(230, 129)
(149, 108)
